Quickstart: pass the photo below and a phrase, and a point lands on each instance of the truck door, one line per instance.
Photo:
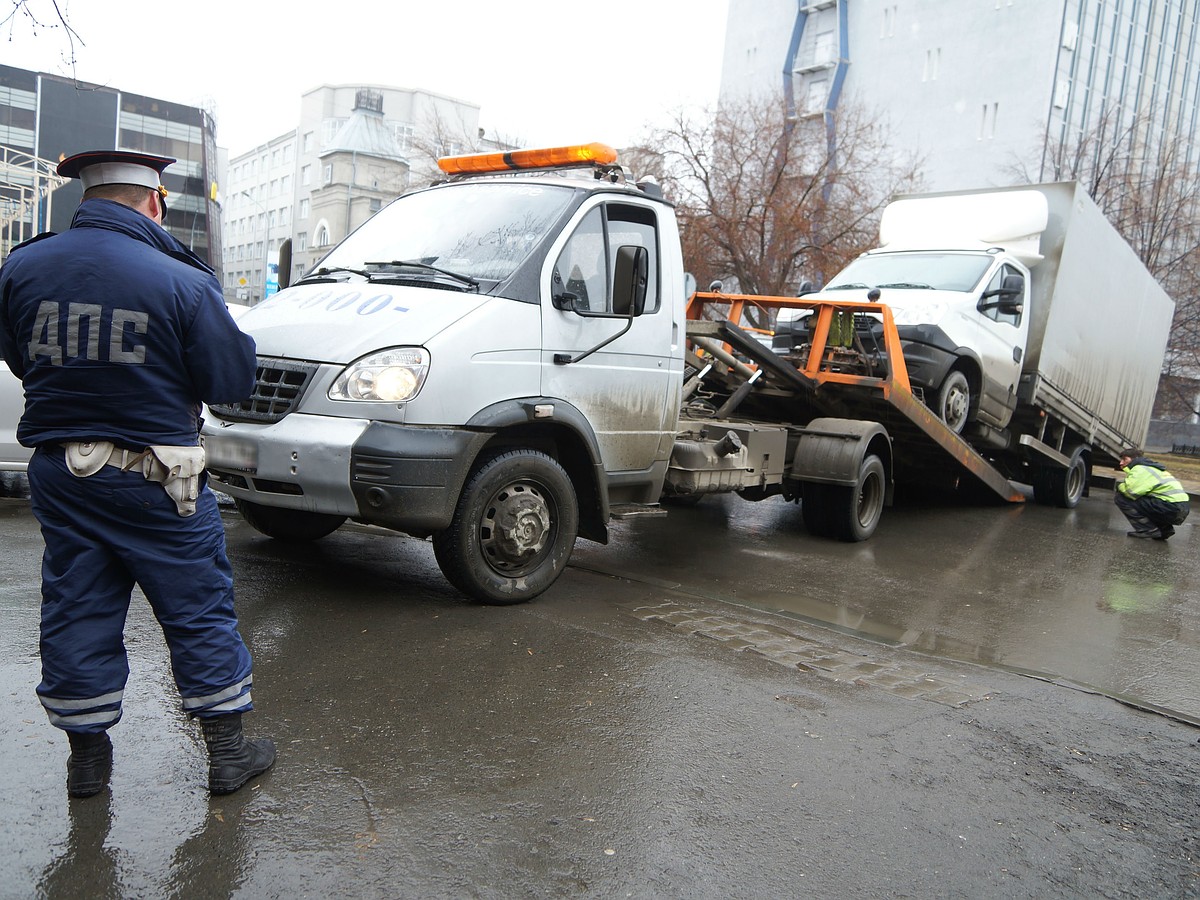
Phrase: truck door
(1001, 345)
(623, 388)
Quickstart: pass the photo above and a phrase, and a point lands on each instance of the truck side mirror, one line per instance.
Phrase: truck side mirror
(629, 280)
(1010, 294)
(285, 263)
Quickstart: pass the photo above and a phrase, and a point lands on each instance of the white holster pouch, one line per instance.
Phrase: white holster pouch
(177, 469)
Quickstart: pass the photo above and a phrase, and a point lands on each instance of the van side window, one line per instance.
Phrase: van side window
(636, 225)
(585, 266)
(582, 268)
(999, 315)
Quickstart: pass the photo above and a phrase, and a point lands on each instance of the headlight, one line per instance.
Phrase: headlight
(390, 376)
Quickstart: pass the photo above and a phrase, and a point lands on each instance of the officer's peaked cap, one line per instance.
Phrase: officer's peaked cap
(94, 167)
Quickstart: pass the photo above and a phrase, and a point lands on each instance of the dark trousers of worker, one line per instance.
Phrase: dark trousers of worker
(103, 534)
(1150, 513)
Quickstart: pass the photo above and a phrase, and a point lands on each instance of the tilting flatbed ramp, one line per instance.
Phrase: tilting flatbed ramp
(927, 453)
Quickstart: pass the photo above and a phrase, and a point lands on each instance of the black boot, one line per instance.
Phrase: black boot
(90, 763)
(233, 760)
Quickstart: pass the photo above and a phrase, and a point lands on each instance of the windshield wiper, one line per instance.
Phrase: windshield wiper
(417, 264)
(848, 286)
(323, 274)
(908, 285)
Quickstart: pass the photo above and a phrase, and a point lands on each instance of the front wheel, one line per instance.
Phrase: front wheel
(294, 526)
(954, 401)
(513, 529)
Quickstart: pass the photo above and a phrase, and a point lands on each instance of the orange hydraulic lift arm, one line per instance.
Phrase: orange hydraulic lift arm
(824, 309)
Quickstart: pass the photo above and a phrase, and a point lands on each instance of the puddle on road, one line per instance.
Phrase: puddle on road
(1060, 594)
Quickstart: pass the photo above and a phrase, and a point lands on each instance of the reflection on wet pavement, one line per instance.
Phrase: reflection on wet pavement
(1059, 593)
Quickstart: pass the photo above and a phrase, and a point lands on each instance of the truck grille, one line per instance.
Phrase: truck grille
(278, 387)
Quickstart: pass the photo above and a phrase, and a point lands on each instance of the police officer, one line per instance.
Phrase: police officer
(1151, 498)
(118, 333)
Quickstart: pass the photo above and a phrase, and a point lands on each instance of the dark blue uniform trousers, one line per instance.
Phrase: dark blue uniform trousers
(103, 533)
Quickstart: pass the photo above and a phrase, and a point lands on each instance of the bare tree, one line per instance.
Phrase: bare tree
(769, 203)
(39, 17)
(1146, 186)
(438, 136)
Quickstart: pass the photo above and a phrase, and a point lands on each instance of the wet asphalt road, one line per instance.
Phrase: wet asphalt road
(694, 710)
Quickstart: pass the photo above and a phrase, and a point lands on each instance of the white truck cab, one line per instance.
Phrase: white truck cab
(495, 361)
(956, 273)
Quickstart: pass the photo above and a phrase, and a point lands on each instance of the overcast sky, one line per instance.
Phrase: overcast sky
(544, 72)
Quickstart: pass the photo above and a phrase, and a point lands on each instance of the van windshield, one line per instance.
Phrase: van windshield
(930, 271)
(483, 231)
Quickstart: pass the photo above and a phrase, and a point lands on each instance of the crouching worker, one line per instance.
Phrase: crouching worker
(1151, 498)
(118, 333)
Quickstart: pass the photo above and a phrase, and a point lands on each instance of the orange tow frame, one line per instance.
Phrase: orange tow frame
(824, 309)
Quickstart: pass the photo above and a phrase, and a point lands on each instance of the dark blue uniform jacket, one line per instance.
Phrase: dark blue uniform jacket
(118, 332)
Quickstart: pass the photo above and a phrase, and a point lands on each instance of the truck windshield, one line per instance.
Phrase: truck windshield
(482, 231)
(930, 271)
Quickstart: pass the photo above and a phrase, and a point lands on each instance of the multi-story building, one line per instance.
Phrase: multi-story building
(45, 118)
(979, 89)
(355, 148)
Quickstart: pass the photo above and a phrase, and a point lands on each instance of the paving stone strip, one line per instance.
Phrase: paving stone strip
(824, 660)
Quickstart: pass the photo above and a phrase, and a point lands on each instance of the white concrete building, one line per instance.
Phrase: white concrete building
(975, 86)
(268, 191)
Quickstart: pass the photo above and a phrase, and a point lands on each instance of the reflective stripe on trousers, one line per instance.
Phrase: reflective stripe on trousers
(103, 534)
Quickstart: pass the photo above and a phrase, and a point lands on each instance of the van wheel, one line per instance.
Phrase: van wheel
(954, 401)
(855, 511)
(513, 529)
(1062, 487)
(292, 525)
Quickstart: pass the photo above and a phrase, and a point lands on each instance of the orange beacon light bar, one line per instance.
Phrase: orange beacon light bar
(514, 160)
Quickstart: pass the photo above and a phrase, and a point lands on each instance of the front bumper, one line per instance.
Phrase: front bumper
(400, 476)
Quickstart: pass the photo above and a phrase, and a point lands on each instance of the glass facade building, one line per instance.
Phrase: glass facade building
(47, 117)
(979, 90)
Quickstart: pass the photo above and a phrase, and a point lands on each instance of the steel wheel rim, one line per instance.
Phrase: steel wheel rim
(517, 528)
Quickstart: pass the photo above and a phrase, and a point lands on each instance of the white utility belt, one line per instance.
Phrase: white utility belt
(177, 469)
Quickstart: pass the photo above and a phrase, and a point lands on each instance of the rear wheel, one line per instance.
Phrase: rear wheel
(292, 525)
(1062, 487)
(855, 510)
(954, 401)
(513, 529)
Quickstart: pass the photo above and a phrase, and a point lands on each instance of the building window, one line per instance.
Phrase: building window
(825, 48)
(306, 175)
(404, 135)
(1062, 93)
(307, 142)
(987, 125)
(816, 96)
(329, 130)
(287, 153)
(322, 237)
(302, 240)
(328, 176)
(889, 21)
(376, 205)
(933, 62)
(304, 208)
